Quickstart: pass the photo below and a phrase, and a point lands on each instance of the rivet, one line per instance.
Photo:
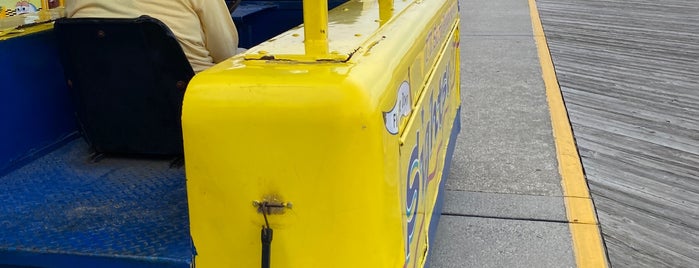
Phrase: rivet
(181, 85)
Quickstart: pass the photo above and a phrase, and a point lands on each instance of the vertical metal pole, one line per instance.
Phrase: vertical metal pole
(385, 11)
(315, 21)
(44, 13)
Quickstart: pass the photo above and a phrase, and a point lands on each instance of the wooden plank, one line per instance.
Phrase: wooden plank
(629, 72)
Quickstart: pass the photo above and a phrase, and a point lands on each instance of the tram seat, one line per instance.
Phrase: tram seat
(127, 78)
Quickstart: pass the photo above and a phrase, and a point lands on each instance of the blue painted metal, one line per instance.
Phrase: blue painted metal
(35, 107)
(245, 18)
(437, 212)
(61, 210)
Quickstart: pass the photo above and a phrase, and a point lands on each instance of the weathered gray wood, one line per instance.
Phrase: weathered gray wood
(629, 71)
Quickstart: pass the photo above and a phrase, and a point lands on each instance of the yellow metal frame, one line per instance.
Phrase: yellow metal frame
(355, 141)
(315, 20)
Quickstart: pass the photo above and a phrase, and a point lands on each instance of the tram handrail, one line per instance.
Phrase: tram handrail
(315, 22)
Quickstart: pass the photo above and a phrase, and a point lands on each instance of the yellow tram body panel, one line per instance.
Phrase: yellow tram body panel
(354, 145)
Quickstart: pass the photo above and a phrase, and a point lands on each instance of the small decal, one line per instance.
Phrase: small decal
(400, 109)
(24, 7)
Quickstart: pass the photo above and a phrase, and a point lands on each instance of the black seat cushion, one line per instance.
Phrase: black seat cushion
(127, 78)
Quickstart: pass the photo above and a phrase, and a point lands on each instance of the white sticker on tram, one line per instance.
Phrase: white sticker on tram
(400, 109)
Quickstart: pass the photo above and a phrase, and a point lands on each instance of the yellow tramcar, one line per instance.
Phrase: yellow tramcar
(325, 146)
(336, 135)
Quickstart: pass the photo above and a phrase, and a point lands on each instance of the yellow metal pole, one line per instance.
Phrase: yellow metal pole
(315, 21)
(44, 14)
(385, 11)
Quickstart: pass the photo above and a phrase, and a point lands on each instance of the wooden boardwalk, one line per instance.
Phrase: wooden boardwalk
(629, 72)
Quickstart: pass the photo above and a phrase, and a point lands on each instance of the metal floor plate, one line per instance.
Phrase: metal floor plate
(62, 210)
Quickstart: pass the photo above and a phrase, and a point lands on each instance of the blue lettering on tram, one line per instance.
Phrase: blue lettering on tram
(418, 171)
(412, 196)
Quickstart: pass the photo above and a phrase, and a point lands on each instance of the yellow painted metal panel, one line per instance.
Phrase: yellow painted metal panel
(294, 141)
(6, 34)
(334, 138)
(423, 151)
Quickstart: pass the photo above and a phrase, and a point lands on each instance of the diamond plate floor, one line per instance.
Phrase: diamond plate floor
(62, 210)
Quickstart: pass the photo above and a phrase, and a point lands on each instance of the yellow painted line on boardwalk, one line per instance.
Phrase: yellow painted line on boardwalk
(584, 228)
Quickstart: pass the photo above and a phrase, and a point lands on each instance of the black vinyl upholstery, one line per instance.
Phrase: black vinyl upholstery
(127, 78)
